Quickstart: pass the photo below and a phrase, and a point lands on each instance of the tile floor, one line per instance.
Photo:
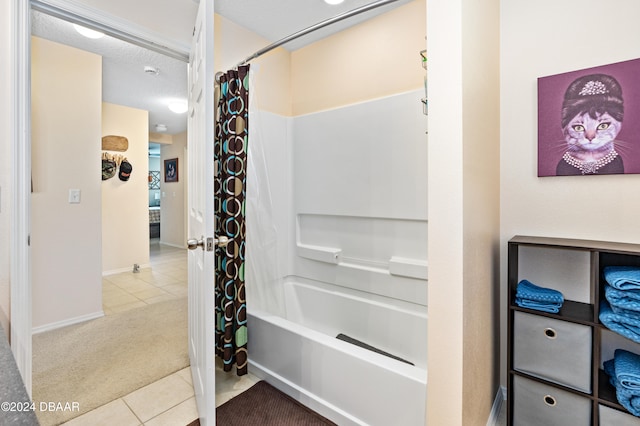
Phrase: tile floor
(170, 401)
(166, 278)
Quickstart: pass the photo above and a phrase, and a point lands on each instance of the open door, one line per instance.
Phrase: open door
(201, 213)
(20, 166)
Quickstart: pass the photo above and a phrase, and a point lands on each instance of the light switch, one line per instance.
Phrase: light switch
(74, 196)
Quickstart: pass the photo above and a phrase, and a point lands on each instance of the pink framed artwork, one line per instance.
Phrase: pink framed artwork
(589, 121)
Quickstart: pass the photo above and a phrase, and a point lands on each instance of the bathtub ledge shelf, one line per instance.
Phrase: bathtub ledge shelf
(412, 268)
(319, 253)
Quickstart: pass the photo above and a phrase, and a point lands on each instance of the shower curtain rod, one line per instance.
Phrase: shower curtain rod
(317, 26)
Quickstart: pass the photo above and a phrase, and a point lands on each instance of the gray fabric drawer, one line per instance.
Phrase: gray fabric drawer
(554, 350)
(536, 404)
(612, 417)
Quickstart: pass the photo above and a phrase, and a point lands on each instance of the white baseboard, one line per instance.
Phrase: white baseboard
(64, 323)
(501, 397)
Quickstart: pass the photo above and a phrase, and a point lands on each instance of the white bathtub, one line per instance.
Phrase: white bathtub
(348, 384)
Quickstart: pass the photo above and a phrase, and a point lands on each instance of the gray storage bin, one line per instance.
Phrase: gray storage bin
(536, 404)
(554, 350)
(612, 417)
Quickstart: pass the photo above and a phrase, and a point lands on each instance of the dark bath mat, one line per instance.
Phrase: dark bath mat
(357, 342)
(264, 405)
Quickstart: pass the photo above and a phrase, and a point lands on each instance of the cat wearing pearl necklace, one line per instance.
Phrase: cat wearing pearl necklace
(592, 114)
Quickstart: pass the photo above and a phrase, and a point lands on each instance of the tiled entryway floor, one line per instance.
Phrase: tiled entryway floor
(169, 401)
(166, 278)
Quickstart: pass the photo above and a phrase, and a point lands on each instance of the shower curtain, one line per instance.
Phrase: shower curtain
(230, 156)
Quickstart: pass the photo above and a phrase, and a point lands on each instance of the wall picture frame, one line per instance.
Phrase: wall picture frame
(171, 170)
(589, 121)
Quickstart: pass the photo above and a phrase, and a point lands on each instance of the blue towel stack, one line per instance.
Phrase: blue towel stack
(623, 277)
(624, 375)
(529, 295)
(621, 310)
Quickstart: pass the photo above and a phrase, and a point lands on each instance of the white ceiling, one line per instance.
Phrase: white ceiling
(124, 79)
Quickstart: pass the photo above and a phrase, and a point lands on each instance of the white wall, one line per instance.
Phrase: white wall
(65, 238)
(125, 211)
(540, 39)
(6, 136)
(462, 47)
(173, 202)
(360, 188)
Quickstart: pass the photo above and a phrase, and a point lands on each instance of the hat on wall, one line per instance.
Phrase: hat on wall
(125, 170)
(108, 168)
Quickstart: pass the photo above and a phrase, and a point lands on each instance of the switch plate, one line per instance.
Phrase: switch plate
(74, 196)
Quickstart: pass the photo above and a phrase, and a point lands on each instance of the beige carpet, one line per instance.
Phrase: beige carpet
(101, 360)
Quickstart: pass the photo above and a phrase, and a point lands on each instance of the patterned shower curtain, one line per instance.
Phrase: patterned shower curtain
(232, 136)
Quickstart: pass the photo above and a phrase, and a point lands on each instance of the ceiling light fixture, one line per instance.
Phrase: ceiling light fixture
(161, 127)
(88, 32)
(333, 1)
(179, 107)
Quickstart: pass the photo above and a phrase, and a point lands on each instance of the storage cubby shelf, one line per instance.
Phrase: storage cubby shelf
(606, 392)
(578, 312)
(546, 375)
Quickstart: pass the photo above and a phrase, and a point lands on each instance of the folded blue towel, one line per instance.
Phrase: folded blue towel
(622, 324)
(632, 315)
(623, 302)
(628, 299)
(627, 398)
(610, 369)
(627, 366)
(538, 306)
(623, 277)
(528, 290)
(529, 295)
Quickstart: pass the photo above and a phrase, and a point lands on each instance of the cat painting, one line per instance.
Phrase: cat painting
(592, 114)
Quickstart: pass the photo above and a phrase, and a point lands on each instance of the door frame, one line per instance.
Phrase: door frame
(20, 257)
(20, 305)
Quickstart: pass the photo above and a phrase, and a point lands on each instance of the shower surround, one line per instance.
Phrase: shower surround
(340, 201)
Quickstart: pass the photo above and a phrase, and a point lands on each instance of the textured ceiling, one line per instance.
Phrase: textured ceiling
(124, 79)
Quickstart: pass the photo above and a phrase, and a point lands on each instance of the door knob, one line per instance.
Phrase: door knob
(193, 243)
(222, 241)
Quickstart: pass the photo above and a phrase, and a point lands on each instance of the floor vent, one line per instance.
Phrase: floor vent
(356, 342)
